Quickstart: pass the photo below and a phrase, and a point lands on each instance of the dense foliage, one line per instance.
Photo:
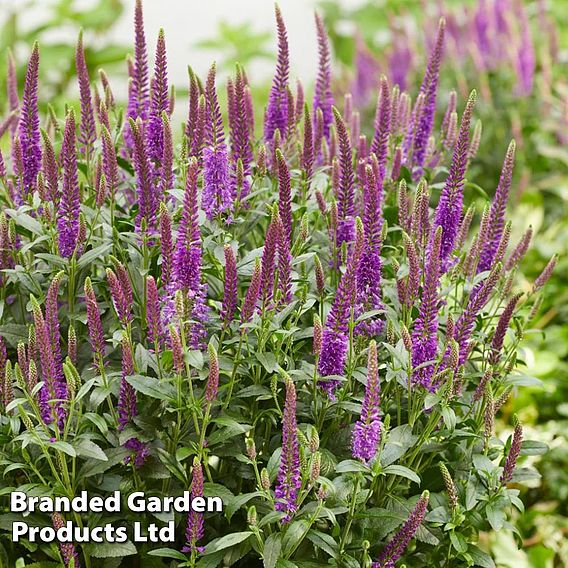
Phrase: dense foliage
(313, 326)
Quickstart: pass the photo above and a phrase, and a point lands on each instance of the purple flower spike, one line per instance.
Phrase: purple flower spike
(230, 289)
(53, 394)
(195, 530)
(346, 190)
(166, 245)
(284, 266)
(94, 322)
(396, 547)
(497, 212)
(367, 431)
(336, 332)
(285, 194)
(423, 122)
(449, 210)
(323, 97)
(253, 294)
(289, 475)
(379, 146)
(370, 266)
(127, 408)
(425, 331)
(241, 147)
(159, 103)
(138, 101)
(212, 386)
(268, 261)
(29, 133)
(70, 203)
(12, 90)
(146, 196)
(513, 456)
(87, 131)
(68, 550)
(276, 116)
(155, 332)
(217, 196)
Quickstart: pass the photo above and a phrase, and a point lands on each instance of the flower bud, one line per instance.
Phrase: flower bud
(264, 479)
(251, 516)
(251, 449)
(316, 467)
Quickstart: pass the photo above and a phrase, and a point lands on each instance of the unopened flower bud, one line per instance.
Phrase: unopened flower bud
(264, 479)
(316, 467)
(251, 449)
(251, 516)
(450, 486)
(406, 338)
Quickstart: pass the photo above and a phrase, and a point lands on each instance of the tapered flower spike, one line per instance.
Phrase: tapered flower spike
(307, 156)
(497, 212)
(95, 327)
(396, 547)
(285, 194)
(346, 191)
(289, 475)
(253, 294)
(52, 323)
(68, 551)
(167, 160)
(450, 486)
(335, 336)
(513, 455)
(323, 97)
(241, 147)
(127, 408)
(54, 390)
(370, 265)
(276, 115)
(212, 385)
(545, 275)
(87, 130)
(155, 332)
(367, 430)
(147, 203)
(284, 266)
(230, 299)
(424, 121)
(28, 130)
(195, 530)
(110, 164)
(425, 330)
(70, 203)
(217, 194)
(501, 328)
(139, 100)
(268, 262)
(166, 245)
(159, 103)
(520, 250)
(379, 146)
(449, 210)
(119, 299)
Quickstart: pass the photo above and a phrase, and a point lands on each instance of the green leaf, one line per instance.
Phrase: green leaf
(324, 541)
(152, 387)
(272, 548)
(496, 517)
(234, 504)
(168, 553)
(268, 361)
(64, 447)
(480, 558)
(402, 471)
(88, 449)
(111, 550)
(98, 421)
(351, 466)
(227, 541)
(90, 256)
(293, 535)
(458, 542)
(533, 448)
